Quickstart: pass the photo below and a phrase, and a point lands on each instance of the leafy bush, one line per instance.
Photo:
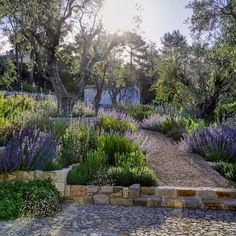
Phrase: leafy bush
(37, 198)
(226, 169)
(111, 124)
(154, 122)
(83, 110)
(29, 149)
(130, 160)
(85, 173)
(112, 120)
(138, 112)
(76, 143)
(113, 144)
(10, 107)
(7, 127)
(214, 143)
(56, 128)
(127, 176)
(174, 128)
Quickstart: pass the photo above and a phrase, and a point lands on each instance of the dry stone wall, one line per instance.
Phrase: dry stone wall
(135, 195)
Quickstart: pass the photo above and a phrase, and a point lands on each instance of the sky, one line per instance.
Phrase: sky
(159, 16)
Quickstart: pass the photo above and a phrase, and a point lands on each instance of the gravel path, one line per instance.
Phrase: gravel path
(175, 167)
(104, 220)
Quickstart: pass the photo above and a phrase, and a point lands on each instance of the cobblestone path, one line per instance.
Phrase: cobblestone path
(104, 220)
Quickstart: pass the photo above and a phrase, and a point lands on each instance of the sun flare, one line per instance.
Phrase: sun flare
(118, 14)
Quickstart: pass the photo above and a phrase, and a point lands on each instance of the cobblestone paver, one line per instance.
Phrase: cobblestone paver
(104, 220)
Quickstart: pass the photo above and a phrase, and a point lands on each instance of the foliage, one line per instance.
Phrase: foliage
(130, 160)
(138, 112)
(7, 73)
(112, 120)
(82, 110)
(85, 173)
(7, 127)
(29, 88)
(127, 176)
(76, 142)
(225, 111)
(174, 127)
(214, 143)
(29, 149)
(10, 107)
(37, 198)
(154, 122)
(226, 169)
(113, 144)
(109, 124)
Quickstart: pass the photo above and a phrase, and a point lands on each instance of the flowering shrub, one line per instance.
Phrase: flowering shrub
(28, 150)
(214, 143)
(117, 121)
(154, 122)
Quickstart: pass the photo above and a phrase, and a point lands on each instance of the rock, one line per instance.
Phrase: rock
(101, 199)
(166, 191)
(148, 190)
(140, 202)
(125, 192)
(78, 190)
(106, 189)
(121, 201)
(134, 191)
(154, 201)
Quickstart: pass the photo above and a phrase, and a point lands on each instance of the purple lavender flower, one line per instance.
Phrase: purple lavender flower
(154, 122)
(29, 149)
(118, 115)
(214, 143)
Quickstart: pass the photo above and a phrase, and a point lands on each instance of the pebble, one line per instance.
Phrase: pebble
(107, 220)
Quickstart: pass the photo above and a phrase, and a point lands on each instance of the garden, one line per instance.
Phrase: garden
(112, 149)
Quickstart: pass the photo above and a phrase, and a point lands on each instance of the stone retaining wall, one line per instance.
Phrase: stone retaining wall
(161, 196)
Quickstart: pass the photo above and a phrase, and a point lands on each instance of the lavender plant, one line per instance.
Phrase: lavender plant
(116, 121)
(29, 149)
(154, 122)
(214, 143)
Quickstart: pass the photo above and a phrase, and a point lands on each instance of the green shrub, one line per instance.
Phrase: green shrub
(127, 176)
(86, 171)
(37, 198)
(130, 160)
(56, 128)
(174, 128)
(138, 112)
(113, 144)
(76, 143)
(11, 107)
(228, 170)
(111, 124)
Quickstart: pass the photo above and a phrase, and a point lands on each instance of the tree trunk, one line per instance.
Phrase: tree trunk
(97, 100)
(18, 82)
(65, 102)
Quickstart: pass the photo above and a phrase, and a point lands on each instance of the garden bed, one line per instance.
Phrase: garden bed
(134, 195)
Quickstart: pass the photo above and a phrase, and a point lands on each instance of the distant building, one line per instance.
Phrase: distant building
(129, 95)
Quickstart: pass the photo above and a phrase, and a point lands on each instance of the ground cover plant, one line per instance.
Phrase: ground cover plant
(38, 198)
